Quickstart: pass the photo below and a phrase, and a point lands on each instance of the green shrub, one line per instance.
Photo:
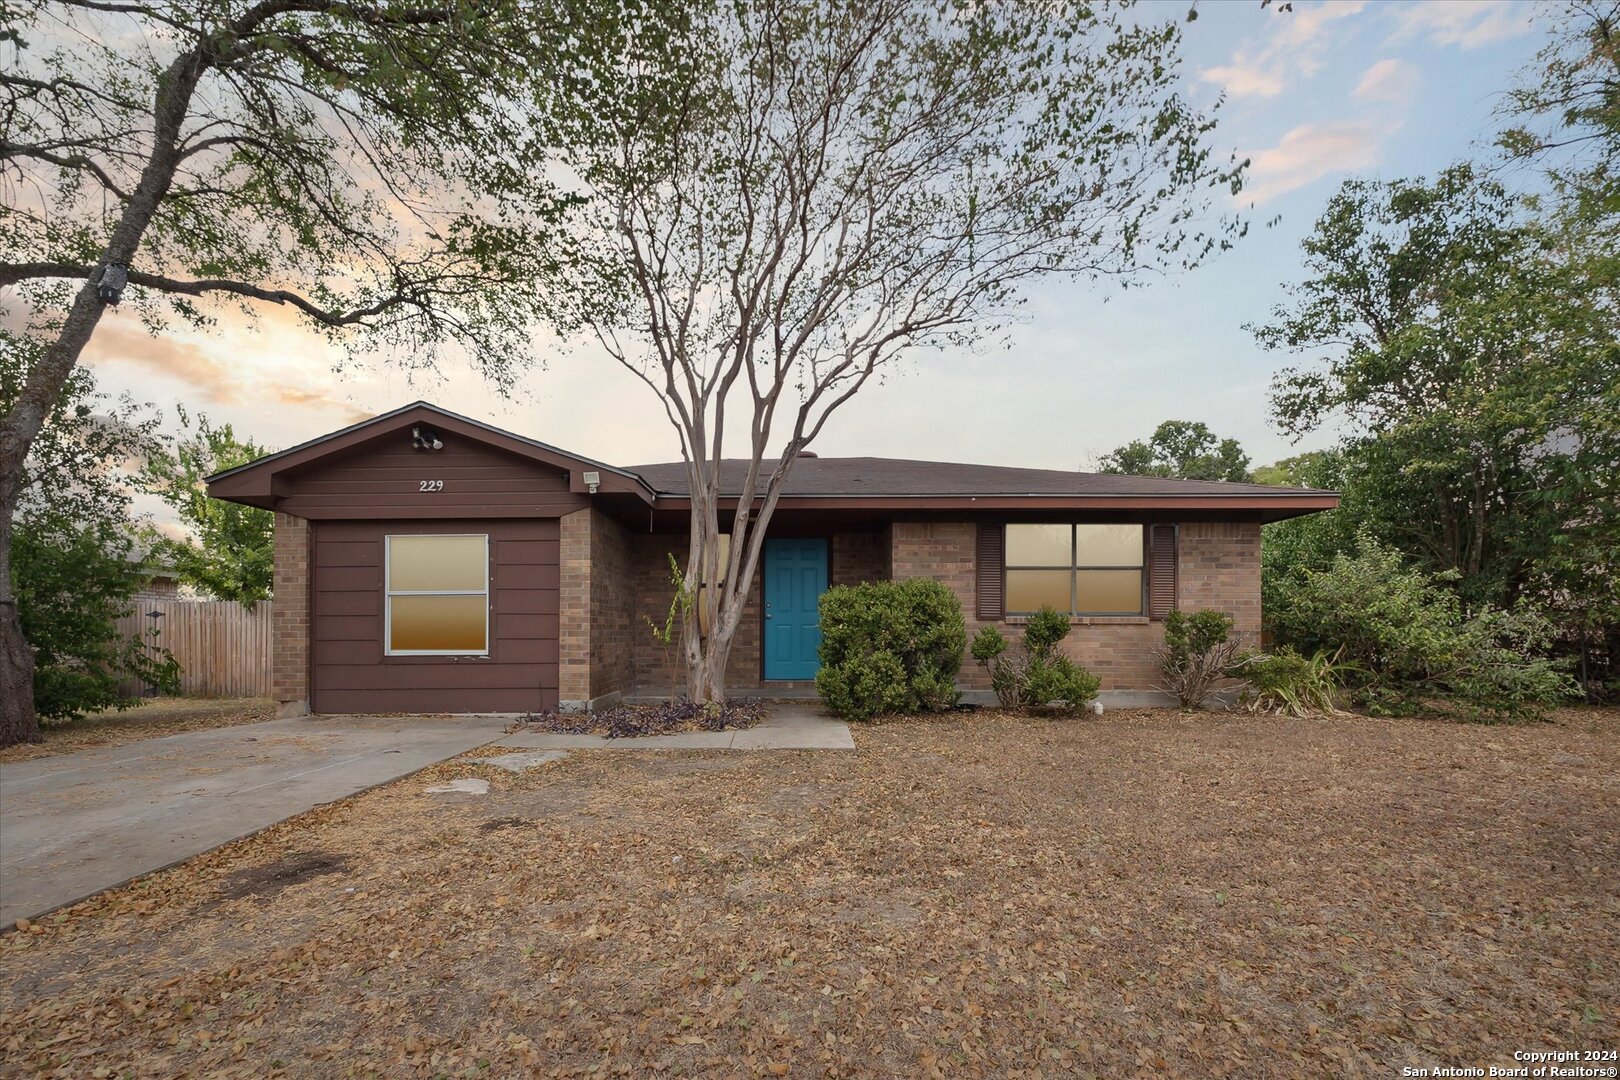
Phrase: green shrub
(1288, 683)
(890, 647)
(1408, 640)
(1198, 653)
(1039, 673)
(1059, 681)
(1043, 633)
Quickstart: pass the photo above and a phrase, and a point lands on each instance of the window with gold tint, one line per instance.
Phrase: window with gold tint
(1077, 569)
(438, 594)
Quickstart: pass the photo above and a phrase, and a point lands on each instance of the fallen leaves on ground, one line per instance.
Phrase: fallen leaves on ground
(1142, 893)
(149, 719)
(649, 718)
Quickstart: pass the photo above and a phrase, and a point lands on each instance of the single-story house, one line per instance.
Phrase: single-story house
(427, 562)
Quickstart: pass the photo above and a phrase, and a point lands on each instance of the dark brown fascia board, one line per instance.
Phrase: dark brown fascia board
(1302, 502)
(252, 483)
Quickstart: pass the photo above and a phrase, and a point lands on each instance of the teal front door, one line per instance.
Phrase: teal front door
(795, 578)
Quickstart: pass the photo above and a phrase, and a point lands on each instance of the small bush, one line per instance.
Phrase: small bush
(1060, 681)
(1039, 673)
(1198, 653)
(890, 647)
(1043, 633)
(1290, 684)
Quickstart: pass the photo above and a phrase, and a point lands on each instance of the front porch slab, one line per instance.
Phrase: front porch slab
(789, 725)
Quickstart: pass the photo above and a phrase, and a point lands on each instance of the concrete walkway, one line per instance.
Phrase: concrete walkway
(791, 725)
(73, 825)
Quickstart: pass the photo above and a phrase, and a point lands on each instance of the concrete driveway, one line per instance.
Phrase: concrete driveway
(73, 825)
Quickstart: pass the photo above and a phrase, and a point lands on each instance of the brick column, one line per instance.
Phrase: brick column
(289, 623)
(574, 612)
(1220, 568)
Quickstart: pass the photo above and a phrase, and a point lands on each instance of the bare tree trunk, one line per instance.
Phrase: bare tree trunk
(17, 720)
(43, 388)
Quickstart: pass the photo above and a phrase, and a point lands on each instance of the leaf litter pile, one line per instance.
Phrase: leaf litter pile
(1143, 893)
(651, 718)
(149, 719)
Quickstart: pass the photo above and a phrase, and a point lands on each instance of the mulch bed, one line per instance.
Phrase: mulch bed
(1143, 893)
(663, 718)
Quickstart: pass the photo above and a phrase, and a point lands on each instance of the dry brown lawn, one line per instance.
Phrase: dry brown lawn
(1143, 893)
(159, 716)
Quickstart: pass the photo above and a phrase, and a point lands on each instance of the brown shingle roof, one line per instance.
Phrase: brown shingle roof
(898, 477)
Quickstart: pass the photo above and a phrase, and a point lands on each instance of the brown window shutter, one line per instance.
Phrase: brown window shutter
(1161, 570)
(992, 573)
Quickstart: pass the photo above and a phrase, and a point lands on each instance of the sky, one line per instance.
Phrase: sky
(1312, 97)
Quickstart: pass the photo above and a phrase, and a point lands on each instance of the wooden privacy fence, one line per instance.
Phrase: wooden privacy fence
(223, 648)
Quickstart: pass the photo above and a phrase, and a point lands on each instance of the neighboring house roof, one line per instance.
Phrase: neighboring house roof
(904, 477)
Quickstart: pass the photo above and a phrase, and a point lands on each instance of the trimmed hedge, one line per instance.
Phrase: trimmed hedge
(890, 647)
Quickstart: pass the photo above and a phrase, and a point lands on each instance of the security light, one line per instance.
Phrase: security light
(110, 285)
(425, 439)
(593, 480)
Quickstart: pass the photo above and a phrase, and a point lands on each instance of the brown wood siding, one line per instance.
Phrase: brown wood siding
(990, 569)
(352, 674)
(1161, 584)
(383, 477)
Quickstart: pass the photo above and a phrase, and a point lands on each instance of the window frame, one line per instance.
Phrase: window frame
(389, 593)
(1074, 568)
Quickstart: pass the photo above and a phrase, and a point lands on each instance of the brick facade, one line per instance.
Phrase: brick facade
(289, 620)
(614, 583)
(1219, 567)
(612, 664)
(573, 609)
(858, 557)
(595, 601)
(855, 557)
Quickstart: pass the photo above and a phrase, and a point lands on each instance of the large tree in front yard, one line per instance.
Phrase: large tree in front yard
(355, 162)
(837, 186)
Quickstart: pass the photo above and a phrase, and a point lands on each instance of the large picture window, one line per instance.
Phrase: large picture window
(438, 595)
(1079, 569)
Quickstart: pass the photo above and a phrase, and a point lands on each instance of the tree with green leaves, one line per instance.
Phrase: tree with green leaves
(1473, 357)
(229, 552)
(1183, 449)
(1565, 116)
(837, 188)
(77, 561)
(362, 164)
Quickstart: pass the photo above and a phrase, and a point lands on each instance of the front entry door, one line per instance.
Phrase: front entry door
(795, 578)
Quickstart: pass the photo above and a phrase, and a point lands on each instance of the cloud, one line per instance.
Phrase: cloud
(1468, 26)
(1294, 48)
(1311, 151)
(212, 380)
(1388, 80)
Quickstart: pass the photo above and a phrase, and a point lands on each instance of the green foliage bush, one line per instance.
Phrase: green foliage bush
(1198, 653)
(1410, 640)
(890, 647)
(74, 561)
(72, 582)
(1289, 683)
(1039, 673)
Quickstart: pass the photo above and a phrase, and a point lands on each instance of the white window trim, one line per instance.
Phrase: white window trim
(390, 593)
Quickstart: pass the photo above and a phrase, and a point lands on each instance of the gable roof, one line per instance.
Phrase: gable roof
(904, 477)
(251, 483)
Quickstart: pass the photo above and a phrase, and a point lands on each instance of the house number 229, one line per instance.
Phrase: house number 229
(431, 485)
